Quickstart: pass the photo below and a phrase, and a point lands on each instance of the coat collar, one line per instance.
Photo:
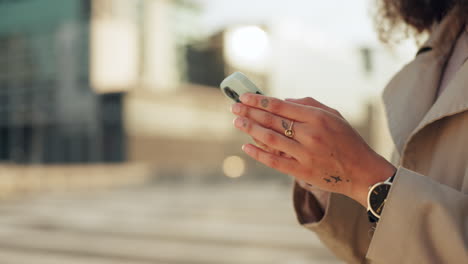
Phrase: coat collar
(410, 98)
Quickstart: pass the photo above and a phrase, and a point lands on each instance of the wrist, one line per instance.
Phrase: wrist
(381, 173)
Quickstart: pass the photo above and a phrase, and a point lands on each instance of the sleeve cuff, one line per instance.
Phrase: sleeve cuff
(396, 222)
(339, 208)
(307, 207)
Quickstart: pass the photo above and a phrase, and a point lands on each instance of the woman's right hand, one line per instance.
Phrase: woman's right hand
(326, 150)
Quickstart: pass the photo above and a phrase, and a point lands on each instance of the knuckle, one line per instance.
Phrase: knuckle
(244, 111)
(275, 105)
(315, 139)
(247, 125)
(332, 110)
(268, 120)
(272, 161)
(336, 112)
(324, 120)
(317, 115)
(270, 138)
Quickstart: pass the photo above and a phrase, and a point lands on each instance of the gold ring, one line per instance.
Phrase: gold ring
(290, 132)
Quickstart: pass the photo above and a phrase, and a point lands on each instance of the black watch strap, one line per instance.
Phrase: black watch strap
(372, 217)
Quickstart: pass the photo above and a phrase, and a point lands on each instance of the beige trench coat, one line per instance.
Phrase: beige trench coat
(425, 219)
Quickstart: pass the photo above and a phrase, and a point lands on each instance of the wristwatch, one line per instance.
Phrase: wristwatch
(377, 197)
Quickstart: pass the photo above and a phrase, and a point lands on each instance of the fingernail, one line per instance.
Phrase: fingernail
(236, 109)
(238, 122)
(245, 98)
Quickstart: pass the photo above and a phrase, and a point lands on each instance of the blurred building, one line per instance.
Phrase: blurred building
(92, 81)
(49, 112)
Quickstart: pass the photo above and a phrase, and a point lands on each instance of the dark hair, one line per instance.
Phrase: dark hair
(398, 19)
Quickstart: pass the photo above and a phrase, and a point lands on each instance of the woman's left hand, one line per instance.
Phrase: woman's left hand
(325, 150)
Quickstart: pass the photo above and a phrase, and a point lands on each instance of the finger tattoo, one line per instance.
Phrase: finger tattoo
(285, 124)
(265, 102)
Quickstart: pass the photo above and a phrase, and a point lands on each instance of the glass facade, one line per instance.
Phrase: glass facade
(48, 111)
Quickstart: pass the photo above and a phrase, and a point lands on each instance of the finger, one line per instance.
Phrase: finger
(265, 147)
(282, 164)
(279, 107)
(269, 120)
(269, 137)
(309, 101)
(270, 150)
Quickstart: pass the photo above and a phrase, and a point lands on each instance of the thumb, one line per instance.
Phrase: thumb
(309, 101)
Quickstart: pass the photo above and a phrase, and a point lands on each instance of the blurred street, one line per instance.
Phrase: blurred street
(160, 223)
(117, 146)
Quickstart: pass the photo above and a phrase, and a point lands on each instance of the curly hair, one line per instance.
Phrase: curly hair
(396, 20)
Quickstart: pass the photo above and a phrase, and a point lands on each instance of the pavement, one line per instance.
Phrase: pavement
(161, 223)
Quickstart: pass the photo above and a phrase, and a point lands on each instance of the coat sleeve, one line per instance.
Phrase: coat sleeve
(423, 222)
(344, 227)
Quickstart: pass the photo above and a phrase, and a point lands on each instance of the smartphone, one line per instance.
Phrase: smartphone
(238, 84)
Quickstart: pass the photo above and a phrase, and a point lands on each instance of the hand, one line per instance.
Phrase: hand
(325, 152)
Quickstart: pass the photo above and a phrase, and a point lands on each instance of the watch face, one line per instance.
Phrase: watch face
(377, 198)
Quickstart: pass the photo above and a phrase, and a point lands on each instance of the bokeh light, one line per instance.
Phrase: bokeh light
(248, 47)
(234, 167)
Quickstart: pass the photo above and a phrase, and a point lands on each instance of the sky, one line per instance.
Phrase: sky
(346, 19)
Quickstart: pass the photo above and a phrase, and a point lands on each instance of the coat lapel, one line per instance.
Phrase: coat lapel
(409, 97)
(452, 101)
